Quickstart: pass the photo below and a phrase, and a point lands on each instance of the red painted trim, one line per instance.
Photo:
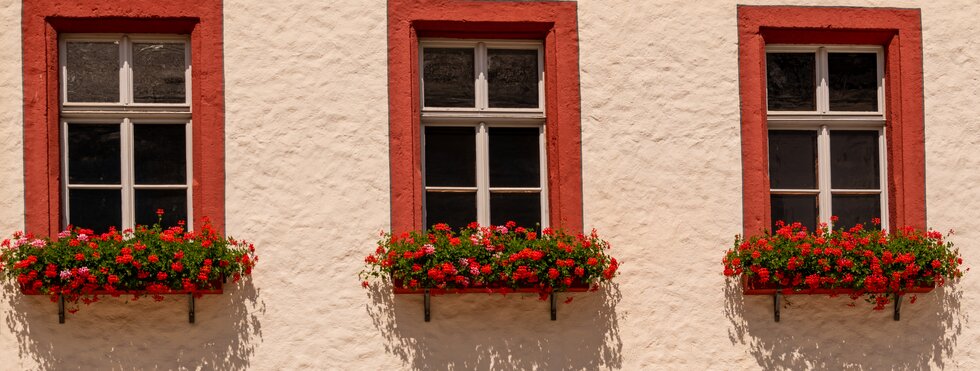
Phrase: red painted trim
(554, 22)
(900, 32)
(43, 20)
(483, 290)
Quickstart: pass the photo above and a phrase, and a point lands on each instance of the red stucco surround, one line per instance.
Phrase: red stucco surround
(553, 22)
(43, 20)
(900, 32)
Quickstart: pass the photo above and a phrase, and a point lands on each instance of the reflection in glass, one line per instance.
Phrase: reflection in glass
(512, 78)
(158, 73)
(95, 209)
(159, 154)
(450, 156)
(93, 154)
(853, 81)
(854, 159)
(515, 157)
(454, 208)
(92, 71)
(793, 159)
(791, 81)
(853, 209)
(522, 208)
(794, 208)
(448, 77)
(172, 201)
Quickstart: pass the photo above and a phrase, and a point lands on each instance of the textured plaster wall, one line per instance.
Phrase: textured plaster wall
(307, 180)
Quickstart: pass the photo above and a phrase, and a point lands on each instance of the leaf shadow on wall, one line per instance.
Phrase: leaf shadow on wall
(116, 333)
(500, 332)
(818, 332)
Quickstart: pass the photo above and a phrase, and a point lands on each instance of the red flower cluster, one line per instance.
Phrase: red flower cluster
(80, 264)
(490, 257)
(868, 261)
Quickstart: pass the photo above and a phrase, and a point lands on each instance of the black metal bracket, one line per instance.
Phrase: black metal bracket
(61, 309)
(898, 307)
(428, 305)
(775, 306)
(554, 307)
(190, 308)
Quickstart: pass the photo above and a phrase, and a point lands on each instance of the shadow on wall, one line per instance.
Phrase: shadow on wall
(826, 333)
(500, 332)
(118, 334)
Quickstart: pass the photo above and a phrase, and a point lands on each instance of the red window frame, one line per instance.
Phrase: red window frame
(899, 31)
(553, 22)
(43, 20)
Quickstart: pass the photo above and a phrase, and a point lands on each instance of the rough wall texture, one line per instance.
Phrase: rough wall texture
(307, 180)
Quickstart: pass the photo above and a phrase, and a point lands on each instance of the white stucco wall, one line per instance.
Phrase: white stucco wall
(307, 180)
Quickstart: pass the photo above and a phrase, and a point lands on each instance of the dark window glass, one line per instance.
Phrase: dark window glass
(522, 208)
(172, 201)
(454, 208)
(791, 81)
(512, 78)
(159, 154)
(92, 71)
(853, 209)
(853, 81)
(93, 154)
(794, 208)
(854, 159)
(450, 156)
(447, 77)
(515, 157)
(158, 73)
(95, 209)
(792, 159)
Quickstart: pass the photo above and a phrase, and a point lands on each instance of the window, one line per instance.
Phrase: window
(126, 122)
(483, 133)
(826, 134)
(108, 131)
(831, 116)
(481, 126)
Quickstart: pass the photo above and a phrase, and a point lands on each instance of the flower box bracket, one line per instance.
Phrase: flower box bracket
(191, 308)
(427, 302)
(777, 298)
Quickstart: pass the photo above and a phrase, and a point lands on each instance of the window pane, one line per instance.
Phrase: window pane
(92, 71)
(791, 81)
(450, 156)
(853, 81)
(792, 159)
(448, 76)
(512, 78)
(172, 201)
(95, 209)
(160, 155)
(93, 154)
(794, 208)
(522, 208)
(854, 159)
(853, 209)
(515, 157)
(454, 208)
(158, 73)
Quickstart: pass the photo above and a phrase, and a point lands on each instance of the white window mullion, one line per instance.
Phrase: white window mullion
(483, 174)
(126, 72)
(64, 173)
(882, 177)
(823, 84)
(542, 149)
(126, 175)
(825, 201)
(189, 167)
(482, 97)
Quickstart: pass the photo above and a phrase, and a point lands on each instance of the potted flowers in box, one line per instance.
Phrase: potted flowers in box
(79, 265)
(856, 262)
(490, 259)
